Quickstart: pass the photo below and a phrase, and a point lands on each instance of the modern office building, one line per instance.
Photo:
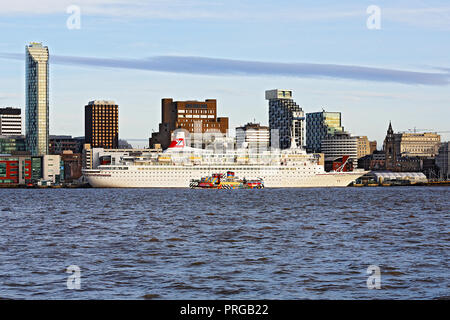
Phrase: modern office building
(10, 121)
(53, 169)
(101, 124)
(36, 168)
(59, 144)
(192, 116)
(442, 160)
(37, 99)
(254, 136)
(319, 125)
(286, 118)
(15, 170)
(12, 144)
(25, 169)
(338, 145)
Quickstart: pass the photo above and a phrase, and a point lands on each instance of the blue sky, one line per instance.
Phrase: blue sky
(136, 52)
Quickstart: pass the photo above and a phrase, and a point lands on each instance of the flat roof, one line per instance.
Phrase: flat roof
(11, 111)
(102, 102)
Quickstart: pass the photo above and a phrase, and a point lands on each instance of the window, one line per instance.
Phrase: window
(2, 169)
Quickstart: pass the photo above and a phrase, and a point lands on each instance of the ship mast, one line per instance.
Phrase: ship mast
(293, 142)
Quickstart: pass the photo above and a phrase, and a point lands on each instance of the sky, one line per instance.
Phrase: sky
(336, 56)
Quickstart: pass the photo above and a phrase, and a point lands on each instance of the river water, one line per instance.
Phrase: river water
(225, 244)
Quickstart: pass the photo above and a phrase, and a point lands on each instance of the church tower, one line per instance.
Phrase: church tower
(389, 149)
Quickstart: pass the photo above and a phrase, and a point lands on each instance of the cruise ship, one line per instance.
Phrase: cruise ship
(179, 164)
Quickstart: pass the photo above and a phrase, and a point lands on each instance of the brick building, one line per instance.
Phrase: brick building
(192, 116)
(101, 125)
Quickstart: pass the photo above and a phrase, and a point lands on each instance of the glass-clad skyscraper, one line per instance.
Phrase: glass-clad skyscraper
(286, 118)
(320, 125)
(37, 102)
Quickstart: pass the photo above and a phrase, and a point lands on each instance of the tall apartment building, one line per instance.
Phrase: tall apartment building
(287, 117)
(192, 116)
(338, 145)
(319, 125)
(254, 136)
(101, 124)
(10, 121)
(37, 100)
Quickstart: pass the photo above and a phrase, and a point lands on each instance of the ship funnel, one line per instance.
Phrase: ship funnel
(179, 141)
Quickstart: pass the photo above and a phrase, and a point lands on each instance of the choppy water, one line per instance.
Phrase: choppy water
(230, 244)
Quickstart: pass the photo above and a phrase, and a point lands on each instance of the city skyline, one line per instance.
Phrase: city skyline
(411, 89)
(224, 156)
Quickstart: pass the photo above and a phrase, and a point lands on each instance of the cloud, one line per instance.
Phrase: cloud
(157, 9)
(181, 10)
(444, 69)
(230, 67)
(429, 17)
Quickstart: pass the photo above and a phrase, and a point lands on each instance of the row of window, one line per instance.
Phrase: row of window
(196, 111)
(220, 169)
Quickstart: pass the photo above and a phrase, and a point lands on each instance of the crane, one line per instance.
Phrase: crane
(419, 130)
(415, 130)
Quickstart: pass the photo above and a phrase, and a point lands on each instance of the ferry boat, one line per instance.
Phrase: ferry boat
(179, 164)
(230, 181)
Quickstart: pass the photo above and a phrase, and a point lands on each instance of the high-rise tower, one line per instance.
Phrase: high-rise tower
(36, 95)
(101, 124)
(319, 125)
(287, 117)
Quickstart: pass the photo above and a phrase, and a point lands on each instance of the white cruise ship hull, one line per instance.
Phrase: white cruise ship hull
(180, 176)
